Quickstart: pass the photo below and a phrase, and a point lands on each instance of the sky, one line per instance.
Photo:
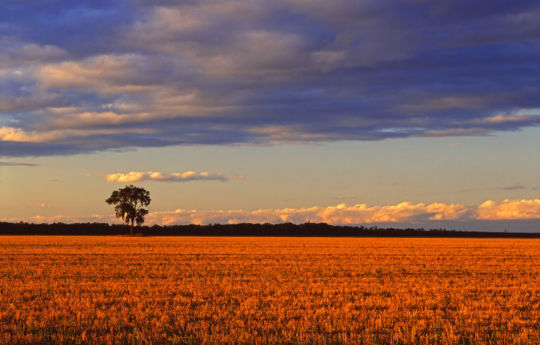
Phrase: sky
(378, 113)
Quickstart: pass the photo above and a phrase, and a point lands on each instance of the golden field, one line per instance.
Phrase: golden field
(245, 290)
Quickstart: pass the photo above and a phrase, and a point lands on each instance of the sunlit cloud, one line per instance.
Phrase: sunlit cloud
(409, 213)
(344, 214)
(14, 134)
(513, 118)
(338, 214)
(138, 176)
(509, 209)
(104, 74)
(402, 212)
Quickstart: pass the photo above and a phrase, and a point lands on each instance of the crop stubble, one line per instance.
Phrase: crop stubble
(206, 290)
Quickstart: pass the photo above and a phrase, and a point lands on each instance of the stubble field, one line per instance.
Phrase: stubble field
(241, 290)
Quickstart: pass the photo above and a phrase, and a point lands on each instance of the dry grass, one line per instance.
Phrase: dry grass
(178, 290)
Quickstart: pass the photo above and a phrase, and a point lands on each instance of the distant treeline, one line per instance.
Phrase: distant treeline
(244, 229)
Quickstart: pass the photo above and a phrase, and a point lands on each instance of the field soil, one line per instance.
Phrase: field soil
(268, 290)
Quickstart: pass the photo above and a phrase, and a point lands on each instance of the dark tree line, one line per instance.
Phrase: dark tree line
(245, 229)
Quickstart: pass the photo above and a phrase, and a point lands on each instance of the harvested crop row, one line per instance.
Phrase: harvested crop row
(203, 290)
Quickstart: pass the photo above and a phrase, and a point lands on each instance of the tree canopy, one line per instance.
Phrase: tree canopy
(129, 204)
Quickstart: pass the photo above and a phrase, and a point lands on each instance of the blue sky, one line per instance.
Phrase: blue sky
(222, 106)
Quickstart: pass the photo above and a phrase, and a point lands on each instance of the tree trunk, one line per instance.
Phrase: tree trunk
(131, 229)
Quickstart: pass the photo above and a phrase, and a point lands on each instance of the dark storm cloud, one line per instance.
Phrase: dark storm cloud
(96, 75)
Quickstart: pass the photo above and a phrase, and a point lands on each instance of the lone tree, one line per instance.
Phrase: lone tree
(129, 202)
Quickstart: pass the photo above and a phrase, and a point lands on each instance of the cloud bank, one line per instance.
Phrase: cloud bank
(339, 214)
(404, 212)
(89, 76)
(497, 215)
(138, 176)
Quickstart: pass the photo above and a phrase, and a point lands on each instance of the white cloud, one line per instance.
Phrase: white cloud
(341, 214)
(509, 209)
(137, 176)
